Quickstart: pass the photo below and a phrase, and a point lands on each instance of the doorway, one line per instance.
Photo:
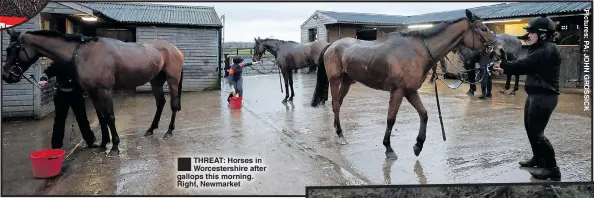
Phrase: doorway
(367, 34)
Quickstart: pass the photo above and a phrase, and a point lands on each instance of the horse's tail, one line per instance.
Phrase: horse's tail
(179, 87)
(321, 91)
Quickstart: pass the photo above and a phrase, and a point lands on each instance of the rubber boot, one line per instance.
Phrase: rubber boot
(551, 171)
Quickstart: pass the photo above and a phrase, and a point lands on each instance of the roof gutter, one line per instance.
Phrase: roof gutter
(578, 13)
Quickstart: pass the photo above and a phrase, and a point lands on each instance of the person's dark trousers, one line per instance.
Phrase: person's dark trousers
(486, 84)
(537, 112)
(62, 102)
(471, 79)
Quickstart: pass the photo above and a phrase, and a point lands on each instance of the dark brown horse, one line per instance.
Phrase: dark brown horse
(290, 56)
(102, 65)
(398, 63)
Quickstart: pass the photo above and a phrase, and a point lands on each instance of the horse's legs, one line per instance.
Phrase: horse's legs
(415, 100)
(507, 84)
(174, 87)
(106, 99)
(395, 101)
(291, 84)
(102, 121)
(338, 94)
(157, 89)
(286, 78)
(517, 83)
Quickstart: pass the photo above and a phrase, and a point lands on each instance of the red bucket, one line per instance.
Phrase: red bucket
(47, 163)
(235, 102)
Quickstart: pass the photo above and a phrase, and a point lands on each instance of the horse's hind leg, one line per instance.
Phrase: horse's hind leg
(286, 78)
(517, 83)
(338, 94)
(157, 89)
(395, 101)
(414, 99)
(290, 75)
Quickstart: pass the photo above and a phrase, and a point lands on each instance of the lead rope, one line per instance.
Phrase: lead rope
(434, 65)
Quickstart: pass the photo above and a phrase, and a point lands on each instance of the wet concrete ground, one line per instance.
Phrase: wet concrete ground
(485, 141)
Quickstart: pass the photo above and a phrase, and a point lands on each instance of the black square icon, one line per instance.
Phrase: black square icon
(184, 164)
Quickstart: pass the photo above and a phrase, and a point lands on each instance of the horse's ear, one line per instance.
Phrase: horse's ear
(11, 32)
(557, 22)
(470, 15)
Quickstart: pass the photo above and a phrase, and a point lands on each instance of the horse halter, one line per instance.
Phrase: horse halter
(488, 44)
(18, 45)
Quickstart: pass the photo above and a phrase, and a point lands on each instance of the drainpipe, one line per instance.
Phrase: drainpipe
(338, 31)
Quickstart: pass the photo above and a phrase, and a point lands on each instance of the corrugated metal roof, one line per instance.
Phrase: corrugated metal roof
(158, 13)
(364, 18)
(497, 11)
(504, 10)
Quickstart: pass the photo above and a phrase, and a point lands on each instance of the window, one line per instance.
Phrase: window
(313, 34)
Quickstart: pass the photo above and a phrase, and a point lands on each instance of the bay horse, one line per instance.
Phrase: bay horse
(290, 56)
(102, 65)
(512, 46)
(397, 62)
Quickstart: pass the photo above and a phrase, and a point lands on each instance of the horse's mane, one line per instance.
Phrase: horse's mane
(278, 40)
(424, 33)
(67, 37)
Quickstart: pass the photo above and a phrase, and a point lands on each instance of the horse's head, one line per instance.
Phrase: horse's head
(479, 38)
(19, 57)
(259, 49)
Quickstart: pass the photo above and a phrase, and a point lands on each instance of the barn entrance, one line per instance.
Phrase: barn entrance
(122, 34)
(368, 34)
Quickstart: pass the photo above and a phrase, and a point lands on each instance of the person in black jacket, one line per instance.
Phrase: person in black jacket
(68, 94)
(542, 68)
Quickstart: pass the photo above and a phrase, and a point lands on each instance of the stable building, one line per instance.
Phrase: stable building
(331, 26)
(195, 30)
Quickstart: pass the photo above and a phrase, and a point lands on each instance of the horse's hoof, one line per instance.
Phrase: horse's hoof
(148, 133)
(342, 141)
(114, 152)
(322, 103)
(284, 101)
(512, 93)
(101, 149)
(502, 92)
(290, 99)
(417, 150)
(167, 136)
(391, 155)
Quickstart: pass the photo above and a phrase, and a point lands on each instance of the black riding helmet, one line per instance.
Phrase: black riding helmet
(237, 59)
(541, 24)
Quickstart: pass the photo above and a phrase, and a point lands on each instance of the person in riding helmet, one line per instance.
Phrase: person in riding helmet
(235, 75)
(542, 67)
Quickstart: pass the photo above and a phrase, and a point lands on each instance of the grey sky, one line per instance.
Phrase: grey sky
(244, 21)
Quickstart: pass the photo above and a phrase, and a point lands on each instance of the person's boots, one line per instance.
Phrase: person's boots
(470, 92)
(550, 171)
(532, 162)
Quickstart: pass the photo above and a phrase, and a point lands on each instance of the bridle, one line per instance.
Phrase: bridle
(16, 66)
(18, 45)
(489, 46)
